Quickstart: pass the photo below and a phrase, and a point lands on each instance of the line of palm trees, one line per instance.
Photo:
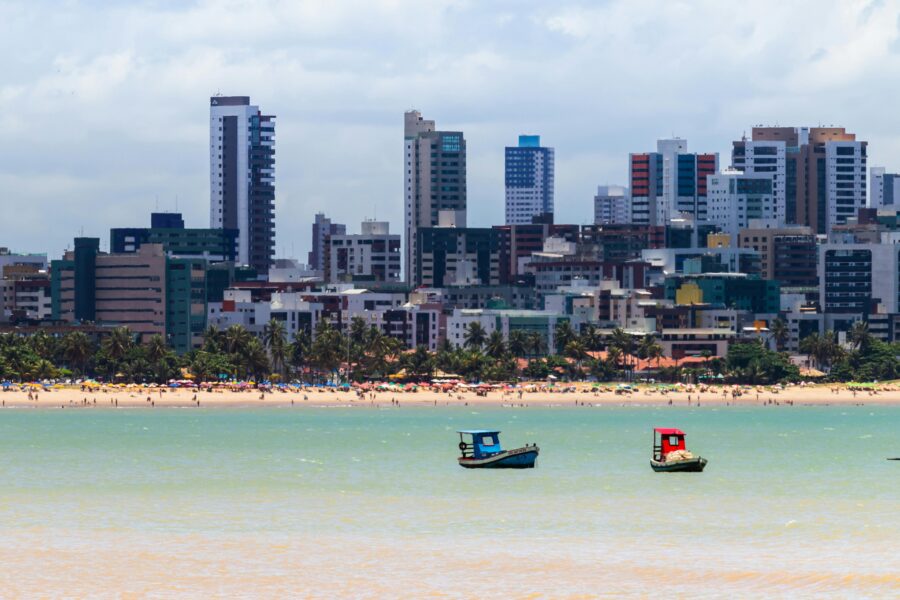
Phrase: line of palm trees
(621, 346)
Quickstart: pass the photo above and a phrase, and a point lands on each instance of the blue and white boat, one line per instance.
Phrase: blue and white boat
(481, 449)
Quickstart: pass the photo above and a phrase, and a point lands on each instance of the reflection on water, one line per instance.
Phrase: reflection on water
(330, 502)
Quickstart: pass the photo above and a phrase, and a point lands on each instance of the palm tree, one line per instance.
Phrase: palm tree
(475, 335)
(275, 340)
(212, 339)
(859, 334)
(118, 343)
(621, 339)
(496, 346)
(420, 363)
(823, 350)
(327, 351)
(518, 343)
(591, 338)
(563, 334)
(779, 331)
(613, 357)
(576, 350)
(42, 344)
(77, 349)
(255, 360)
(156, 348)
(810, 346)
(536, 344)
(298, 351)
(647, 342)
(655, 352)
(236, 339)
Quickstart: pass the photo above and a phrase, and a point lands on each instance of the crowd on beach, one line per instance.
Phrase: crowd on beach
(186, 393)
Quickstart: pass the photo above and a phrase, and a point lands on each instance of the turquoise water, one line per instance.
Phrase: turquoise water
(370, 502)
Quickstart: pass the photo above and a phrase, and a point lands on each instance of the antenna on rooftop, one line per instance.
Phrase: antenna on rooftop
(176, 202)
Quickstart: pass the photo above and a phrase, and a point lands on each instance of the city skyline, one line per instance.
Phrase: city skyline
(89, 144)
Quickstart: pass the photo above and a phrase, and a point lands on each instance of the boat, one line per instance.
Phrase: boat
(481, 449)
(670, 455)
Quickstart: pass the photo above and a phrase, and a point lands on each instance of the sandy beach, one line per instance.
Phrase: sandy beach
(563, 395)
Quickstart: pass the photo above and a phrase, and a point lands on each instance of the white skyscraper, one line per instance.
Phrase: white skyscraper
(768, 157)
(242, 177)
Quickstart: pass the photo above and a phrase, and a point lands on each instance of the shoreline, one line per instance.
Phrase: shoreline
(819, 395)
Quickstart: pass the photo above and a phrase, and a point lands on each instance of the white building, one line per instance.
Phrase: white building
(612, 205)
(846, 180)
(884, 189)
(242, 177)
(530, 180)
(374, 254)
(765, 157)
(734, 198)
(540, 321)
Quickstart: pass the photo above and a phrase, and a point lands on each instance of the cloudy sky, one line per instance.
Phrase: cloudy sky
(104, 105)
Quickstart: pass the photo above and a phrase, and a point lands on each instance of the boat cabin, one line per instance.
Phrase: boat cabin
(479, 443)
(665, 440)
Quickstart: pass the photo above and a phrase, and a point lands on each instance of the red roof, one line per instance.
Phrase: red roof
(668, 431)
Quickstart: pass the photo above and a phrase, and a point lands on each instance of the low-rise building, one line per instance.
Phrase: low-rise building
(372, 255)
(529, 321)
(168, 230)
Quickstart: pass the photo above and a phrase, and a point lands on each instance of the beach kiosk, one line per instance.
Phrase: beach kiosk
(481, 449)
(670, 454)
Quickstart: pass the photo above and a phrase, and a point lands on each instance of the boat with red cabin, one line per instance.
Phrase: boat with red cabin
(670, 454)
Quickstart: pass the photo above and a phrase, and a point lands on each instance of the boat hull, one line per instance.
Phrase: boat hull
(520, 458)
(692, 465)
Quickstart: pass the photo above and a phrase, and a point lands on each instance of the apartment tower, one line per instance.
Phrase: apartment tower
(434, 181)
(823, 170)
(529, 178)
(242, 177)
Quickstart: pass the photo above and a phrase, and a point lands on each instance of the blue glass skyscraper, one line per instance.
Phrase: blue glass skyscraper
(529, 181)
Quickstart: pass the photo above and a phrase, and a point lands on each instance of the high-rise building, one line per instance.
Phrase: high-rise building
(611, 205)
(735, 198)
(770, 157)
(242, 177)
(434, 181)
(372, 255)
(529, 181)
(824, 170)
(322, 227)
(670, 183)
(884, 189)
(645, 173)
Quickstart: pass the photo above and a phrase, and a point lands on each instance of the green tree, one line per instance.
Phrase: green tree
(518, 343)
(475, 335)
(778, 329)
(275, 340)
(563, 334)
(496, 346)
(77, 349)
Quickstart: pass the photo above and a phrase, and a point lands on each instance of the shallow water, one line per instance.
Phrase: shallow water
(368, 502)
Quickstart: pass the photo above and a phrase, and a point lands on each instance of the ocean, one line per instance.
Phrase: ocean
(367, 502)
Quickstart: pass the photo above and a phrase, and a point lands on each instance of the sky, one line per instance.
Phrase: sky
(104, 105)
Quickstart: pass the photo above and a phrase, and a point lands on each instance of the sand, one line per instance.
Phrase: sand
(74, 397)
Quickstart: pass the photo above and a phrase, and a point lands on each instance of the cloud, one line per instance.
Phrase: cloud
(103, 106)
